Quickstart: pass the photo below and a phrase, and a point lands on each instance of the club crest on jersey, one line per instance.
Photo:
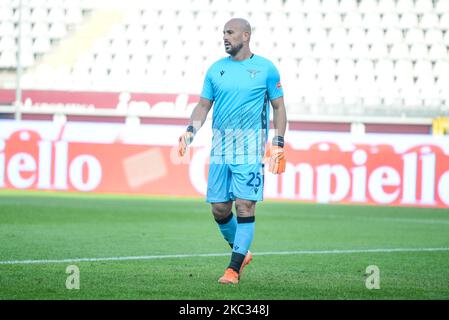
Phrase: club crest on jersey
(252, 73)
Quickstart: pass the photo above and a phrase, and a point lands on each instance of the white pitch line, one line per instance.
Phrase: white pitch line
(177, 256)
(424, 221)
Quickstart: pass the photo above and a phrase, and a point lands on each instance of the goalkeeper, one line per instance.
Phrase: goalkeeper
(240, 87)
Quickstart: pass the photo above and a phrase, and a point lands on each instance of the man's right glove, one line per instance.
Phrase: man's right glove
(275, 156)
(184, 140)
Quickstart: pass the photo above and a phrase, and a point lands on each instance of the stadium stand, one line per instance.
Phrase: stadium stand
(336, 57)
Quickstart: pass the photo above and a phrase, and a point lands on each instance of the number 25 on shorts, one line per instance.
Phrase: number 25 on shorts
(254, 180)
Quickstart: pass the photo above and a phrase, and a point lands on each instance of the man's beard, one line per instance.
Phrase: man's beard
(234, 50)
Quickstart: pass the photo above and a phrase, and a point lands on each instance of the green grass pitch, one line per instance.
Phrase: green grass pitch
(50, 226)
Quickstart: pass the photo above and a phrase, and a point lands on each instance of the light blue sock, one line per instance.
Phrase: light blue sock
(244, 234)
(228, 227)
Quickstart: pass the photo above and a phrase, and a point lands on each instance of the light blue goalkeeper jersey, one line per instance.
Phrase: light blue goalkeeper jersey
(241, 91)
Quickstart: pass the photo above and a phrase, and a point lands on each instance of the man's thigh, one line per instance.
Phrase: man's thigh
(218, 183)
(247, 181)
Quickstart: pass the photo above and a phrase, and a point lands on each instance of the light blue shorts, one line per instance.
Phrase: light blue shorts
(230, 181)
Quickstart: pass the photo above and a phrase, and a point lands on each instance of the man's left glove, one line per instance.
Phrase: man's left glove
(275, 156)
(185, 140)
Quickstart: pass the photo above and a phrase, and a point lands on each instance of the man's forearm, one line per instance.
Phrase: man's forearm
(279, 121)
(199, 115)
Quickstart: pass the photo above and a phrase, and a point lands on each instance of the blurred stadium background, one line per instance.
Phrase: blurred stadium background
(382, 58)
(94, 93)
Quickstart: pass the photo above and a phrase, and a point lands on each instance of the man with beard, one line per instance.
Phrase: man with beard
(240, 87)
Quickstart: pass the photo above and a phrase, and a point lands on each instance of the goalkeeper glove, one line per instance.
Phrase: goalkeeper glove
(275, 156)
(184, 140)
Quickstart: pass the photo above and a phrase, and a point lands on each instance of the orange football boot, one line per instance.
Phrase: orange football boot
(229, 277)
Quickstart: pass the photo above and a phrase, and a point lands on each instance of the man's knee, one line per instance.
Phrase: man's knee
(245, 208)
(221, 210)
